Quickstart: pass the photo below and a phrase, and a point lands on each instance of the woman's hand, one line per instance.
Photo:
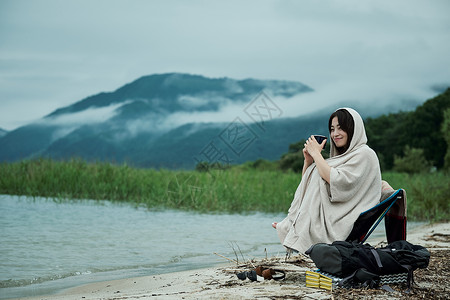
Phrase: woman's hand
(313, 148)
(308, 158)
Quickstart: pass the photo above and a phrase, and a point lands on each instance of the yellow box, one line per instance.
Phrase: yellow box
(317, 280)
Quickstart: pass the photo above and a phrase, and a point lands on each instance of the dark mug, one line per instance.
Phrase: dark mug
(320, 138)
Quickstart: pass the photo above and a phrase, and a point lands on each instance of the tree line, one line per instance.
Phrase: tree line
(419, 137)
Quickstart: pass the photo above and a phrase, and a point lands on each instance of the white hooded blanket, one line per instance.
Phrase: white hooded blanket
(322, 212)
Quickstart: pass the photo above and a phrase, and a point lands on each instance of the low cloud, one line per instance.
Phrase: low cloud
(384, 97)
(85, 117)
(69, 122)
(380, 96)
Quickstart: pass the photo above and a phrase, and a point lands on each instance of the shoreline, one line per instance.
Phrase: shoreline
(221, 282)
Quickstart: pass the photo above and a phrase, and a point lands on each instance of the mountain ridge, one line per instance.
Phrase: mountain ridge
(170, 86)
(143, 123)
(136, 118)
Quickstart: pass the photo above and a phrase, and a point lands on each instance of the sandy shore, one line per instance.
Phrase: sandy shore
(222, 283)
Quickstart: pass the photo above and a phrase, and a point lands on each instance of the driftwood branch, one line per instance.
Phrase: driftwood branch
(226, 258)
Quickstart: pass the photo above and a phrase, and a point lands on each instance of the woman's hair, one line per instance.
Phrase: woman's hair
(346, 123)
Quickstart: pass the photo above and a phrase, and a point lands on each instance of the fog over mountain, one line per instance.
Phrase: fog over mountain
(2, 132)
(176, 120)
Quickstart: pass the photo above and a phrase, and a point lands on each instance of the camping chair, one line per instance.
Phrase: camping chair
(392, 209)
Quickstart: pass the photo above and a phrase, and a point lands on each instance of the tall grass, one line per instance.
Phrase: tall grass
(428, 194)
(229, 190)
(236, 190)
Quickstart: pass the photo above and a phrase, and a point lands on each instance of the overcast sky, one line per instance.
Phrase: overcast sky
(54, 53)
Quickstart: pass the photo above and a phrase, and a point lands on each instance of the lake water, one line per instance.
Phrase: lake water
(47, 246)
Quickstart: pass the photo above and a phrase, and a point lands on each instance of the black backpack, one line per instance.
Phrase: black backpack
(362, 263)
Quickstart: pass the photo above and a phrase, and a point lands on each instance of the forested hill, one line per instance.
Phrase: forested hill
(390, 134)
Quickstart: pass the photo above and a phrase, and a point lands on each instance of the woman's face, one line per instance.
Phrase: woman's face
(338, 135)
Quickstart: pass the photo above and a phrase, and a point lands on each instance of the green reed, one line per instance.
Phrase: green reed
(235, 190)
(229, 190)
(428, 194)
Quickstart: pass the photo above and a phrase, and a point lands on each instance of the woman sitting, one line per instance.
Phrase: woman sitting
(334, 191)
